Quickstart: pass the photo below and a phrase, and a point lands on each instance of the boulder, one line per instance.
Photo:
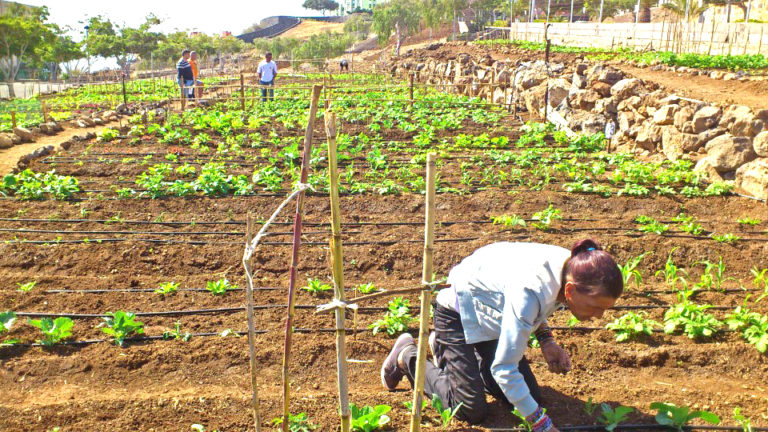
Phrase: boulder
(752, 177)
(558, 90)
(665, 115)
(760, 144)
(534, 99)
(587, 123)
(627, 119)
(706, 118)
(709, 134)
(603, 89)
(583, 99)
(5, 141)
(674, 144)
(529, 78)
(604, 74)
(24, 133)
(627, 87)
(580, 81)
(649, 135)
(705, 166)
(581, 68)
(683, 116)
(607, 105)
(632, 102)
(727, 152)
(762, 115)
(66, 145)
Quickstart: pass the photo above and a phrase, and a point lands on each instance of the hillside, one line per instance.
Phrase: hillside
(308, 28)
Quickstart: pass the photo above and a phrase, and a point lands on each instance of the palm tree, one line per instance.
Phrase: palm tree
(644, 14)
(678, 7)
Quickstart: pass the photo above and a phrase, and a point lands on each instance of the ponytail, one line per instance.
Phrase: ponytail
(593, 270)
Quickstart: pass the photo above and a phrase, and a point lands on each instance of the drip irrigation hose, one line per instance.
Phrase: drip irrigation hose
(641, 427)
(201, 242)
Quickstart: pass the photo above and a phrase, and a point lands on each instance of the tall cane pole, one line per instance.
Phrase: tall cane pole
(307, 155)
(426, 294)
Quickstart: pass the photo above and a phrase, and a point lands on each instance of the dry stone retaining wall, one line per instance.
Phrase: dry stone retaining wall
(727, 143)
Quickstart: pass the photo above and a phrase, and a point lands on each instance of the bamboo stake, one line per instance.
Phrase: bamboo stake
(13, 119)
(410, 88)
(45, 111)
(760, 44)
(426, 295)
(295, 252)
(252, 333)
(746, 40)
(242, 93)
(711, 38)
(125, 97)
(338, 272)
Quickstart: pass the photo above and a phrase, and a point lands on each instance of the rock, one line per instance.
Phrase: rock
(581, 68)
(98, 121)
(24, 133)
(558, 91)
(607, 75)
(607, 105)
(464, 58)
(123, 107)
(674, 144)
(587, 123)
(741, 122)
(583, 99)
(649, 135)
(5, 141)
(434, 46)
(762, 115)
(760, 144)
(66, 145)
(752, 177)
(603, 89)
(81, 123)
(627, 87)
(705, 166)
(727, 152)
(579, 80)
(706, 118)
(627, 119)
(529, 78)
(632, 102)
(665, 115)
(683, 116)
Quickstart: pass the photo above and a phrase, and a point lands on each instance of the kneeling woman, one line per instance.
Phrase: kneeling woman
(499, 296)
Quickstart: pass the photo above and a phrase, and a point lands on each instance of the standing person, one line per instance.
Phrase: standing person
(184, 74)
(267, 72)
(195, 75)
(499, 296)
(343, 65)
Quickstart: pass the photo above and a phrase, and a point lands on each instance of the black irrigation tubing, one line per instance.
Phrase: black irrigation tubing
(638, 427)
(313, 224)
(198, 243)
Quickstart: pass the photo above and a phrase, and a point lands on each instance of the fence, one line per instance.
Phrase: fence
(703, 38)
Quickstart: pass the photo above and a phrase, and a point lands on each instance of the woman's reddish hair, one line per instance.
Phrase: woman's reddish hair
(592, 269)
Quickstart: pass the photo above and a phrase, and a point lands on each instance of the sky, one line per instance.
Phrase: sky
(211, 17)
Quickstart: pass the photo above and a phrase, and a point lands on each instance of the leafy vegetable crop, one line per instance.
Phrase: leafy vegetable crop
(122, 324)
(54, 330)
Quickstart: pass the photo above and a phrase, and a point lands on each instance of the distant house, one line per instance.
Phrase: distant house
(350, 6)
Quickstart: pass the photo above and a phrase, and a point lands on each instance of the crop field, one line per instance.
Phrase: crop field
(150, 218)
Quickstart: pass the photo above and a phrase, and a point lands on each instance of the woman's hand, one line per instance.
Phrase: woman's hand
(557, 358)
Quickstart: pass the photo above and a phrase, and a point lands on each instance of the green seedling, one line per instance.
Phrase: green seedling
(742, 420)
(749, 221)
(752, 326)
(368, 419)
(726, 238)
(713, 276)
(296, 423)
(409, 405)
(632, 325)
(6, 321)
(509, 221)
(445, 413)
(26, 287)
(120, 325)
(612, 417)
(650, 225)
(167, 288)
(199, 428)
(676, 417)
(176, 333)
(671, 272)
(54, 330)
(315, 287)
(396, 319)
(692, 318)
(590, 406)
(366, 288)
(220, 286)
(760, 281)
(629, 270)
(545, 218)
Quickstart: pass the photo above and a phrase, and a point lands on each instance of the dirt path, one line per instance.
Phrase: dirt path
(750, 93)
(10, 157)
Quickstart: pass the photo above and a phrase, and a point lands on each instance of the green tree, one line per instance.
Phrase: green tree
(678, 8)
(320, 5)
(62, 49)
(125, 44)
(401, 17)
(24, 35)
(359, 25)
(453, 8)
(611, 8)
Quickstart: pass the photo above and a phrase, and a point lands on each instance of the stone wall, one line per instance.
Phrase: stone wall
(728, 143)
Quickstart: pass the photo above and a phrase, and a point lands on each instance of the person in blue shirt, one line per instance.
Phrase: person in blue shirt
(267, 72)
(184, 74)
(498, 297)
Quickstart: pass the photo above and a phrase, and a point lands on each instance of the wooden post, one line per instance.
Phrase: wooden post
(746, 40)
(242, 94)
(338, 272)
(426, 295)
(490, 86)
(13, 119)
(125, 97)
(252, 334)
(711, 37)
(45, 111)
(410, 88)
(760, 44)
(316, 89)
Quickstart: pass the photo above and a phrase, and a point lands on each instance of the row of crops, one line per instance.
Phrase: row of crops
(141, 195)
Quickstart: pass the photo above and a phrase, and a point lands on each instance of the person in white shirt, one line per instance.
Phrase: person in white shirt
(267, 72)
(500, 296)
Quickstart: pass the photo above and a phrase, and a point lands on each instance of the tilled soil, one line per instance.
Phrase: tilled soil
(168, 385)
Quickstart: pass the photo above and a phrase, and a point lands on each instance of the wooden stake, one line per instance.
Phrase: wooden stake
(711, 37)
(13, 119)
(252, 333)
(746, 40)
(242, 92)
(410, 88)
(760, 45)
(426, 295)
(125, 97)
(45, 111)
(316, 89)
(490, 86)
(338, 272)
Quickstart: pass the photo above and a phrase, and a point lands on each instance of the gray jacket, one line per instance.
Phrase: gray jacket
(505, 291)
